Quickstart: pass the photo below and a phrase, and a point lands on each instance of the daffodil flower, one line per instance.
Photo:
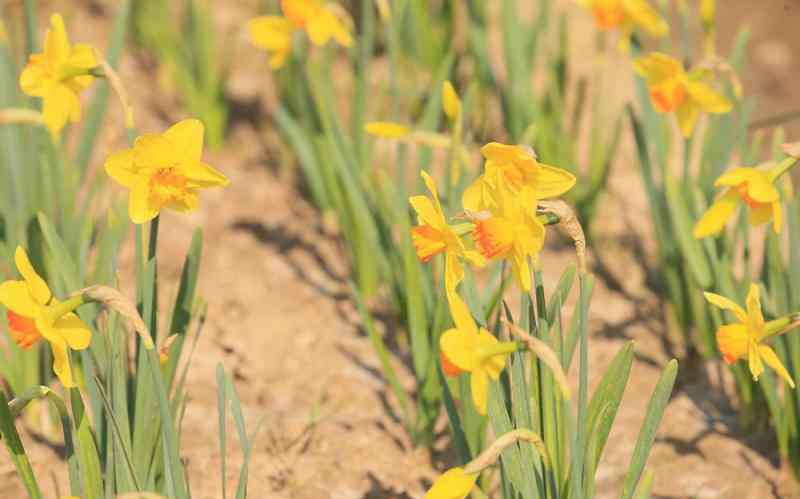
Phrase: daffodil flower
(673, 90)
(745, 338)
(58, 75)
(468, 348)
(753, 187)
(517, 168)
(454, 483)
(273, 34)
(33, 313)
(164, 171)
(320, 20)
(510, 230)
(433, 235)
(625, 15)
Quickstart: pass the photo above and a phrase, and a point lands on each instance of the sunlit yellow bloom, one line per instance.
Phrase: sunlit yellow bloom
(453, 484)
(450, 101)
(387, 129)
(625, 15)
(320, 20)
(58, 75)
(672, 90)
(750, 186)
(510, 231)
(467, 348)
(33, 313)
(517, 168)
(744, 339)
(273, 34)
(433, 235)
(164, 171)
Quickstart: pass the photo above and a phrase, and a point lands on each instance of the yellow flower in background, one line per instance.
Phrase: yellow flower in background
(58, 75)
(451, 103)
(164, 171)
(320, 20)
(273, 34)
(672, 90)
(453, 484)
(751, 186)
(518, 170)
(625, 15)
(511, 231)
(33, 313)
(433, 235)
(744, 339)
(468, 348)
(387, 129)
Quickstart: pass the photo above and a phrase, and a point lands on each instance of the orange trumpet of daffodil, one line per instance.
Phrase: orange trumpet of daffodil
(673, 90)
(433, 235)
(454, 483)
(518, 170)
(164, 171)
(58, 75)
(745, 338)
(752, 186)
(468, 348)
(625, 15)
(33, 313)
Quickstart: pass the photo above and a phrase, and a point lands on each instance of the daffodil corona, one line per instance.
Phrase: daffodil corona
(33, 313)
(745, 338)
(58, 75)
(164, 171)
(673, 90)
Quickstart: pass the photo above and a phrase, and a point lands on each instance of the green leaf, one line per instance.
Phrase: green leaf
(16, 450)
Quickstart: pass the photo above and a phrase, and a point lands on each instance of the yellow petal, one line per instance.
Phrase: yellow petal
(479, 385)
(687, 113)
(733, 341)
(460, 348)
(32, 80)
(82, 56)
(139, 207)
(338, 29)
(187, 203)
(736, 176)
(657, 67)
(36, 285)
(271, 33)
(152, 151)
(550, 181)
(56, 42)
(61, 362)
(771, 358)
(426, 211)
(450, 101)
(717, 215)
(387, 129)
(60, 105)
(72, 329)
(754, 362)
(726, 304)
(495, 364)
(522, 271)
(760, 214)
(453, 484)
(186, 140)
(708, 99)
(119, 166)
(15, 296)
(477, 196)
(646, 16)
(320, 29)
(201, 175)
(755, 319)
(761, 190)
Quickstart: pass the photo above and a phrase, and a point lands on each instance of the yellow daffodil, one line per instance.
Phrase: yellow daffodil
(273, 34)
(164, 171)
(745, 338)
(454, 483)
(468, 348)
(33, 313)
(387, 129)
(672, 90)
(58, 75)
(517, 168)
(751, 186)
(625, 15)
(433, 235)
(320, 20)
(510, 230)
